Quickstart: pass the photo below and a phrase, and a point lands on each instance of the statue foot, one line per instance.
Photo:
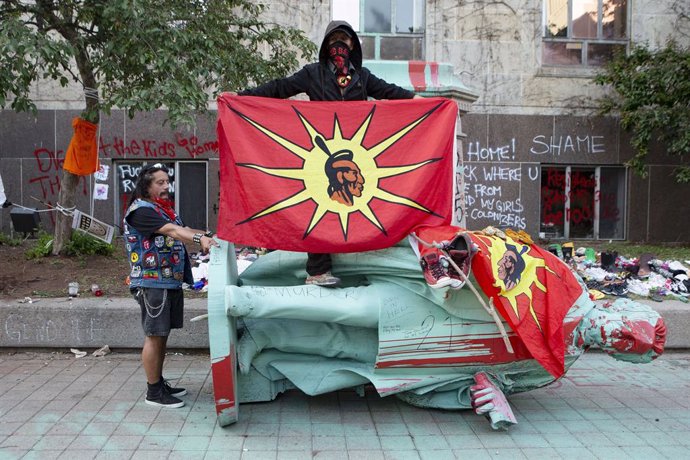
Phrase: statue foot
(489, 400)
(247, 349)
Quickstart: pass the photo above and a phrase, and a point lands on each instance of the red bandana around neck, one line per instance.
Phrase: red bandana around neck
(168, 207)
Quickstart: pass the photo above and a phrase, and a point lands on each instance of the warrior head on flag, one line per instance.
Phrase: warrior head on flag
(345, 180)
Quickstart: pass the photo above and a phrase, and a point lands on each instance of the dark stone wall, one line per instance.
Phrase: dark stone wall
(32, 150)
(502, 156)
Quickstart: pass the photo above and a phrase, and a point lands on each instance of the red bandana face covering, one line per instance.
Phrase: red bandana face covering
(339, 54)
(168, 207)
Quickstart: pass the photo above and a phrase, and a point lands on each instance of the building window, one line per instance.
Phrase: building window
(583, 32)
(583, 202)
(388, 29)
(191, 200)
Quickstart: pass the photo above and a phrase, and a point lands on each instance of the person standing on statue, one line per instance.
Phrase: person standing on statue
(155, 239)
(338, 76)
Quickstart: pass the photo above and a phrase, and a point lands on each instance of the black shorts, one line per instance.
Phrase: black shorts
(161, 310)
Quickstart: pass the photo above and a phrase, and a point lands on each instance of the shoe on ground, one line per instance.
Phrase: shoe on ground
(325, 279)
(174, 391)
(161, 398)
(435, 274)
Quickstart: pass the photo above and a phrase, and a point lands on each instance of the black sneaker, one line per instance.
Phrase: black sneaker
(173, 391)
(163, 399)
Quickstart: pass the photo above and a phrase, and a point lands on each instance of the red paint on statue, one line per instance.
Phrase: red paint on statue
(223, 382)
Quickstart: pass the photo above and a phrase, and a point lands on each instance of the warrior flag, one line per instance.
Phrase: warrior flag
(532, 289)
(333, 176)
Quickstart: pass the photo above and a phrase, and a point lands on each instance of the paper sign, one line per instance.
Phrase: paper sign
(92, 226)
(102, 173)
(100, 191)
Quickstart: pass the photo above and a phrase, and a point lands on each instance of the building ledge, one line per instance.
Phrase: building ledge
(424, 78)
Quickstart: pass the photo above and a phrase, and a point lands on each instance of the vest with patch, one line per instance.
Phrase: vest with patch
(157, 261)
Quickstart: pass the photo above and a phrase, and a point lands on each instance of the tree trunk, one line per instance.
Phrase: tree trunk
(63, 223)
(68, 185)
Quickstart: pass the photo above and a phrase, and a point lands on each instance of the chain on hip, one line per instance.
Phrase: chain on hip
(154, 312)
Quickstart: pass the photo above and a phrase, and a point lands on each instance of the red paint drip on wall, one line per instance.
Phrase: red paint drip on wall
(433, 67)
(417, 72)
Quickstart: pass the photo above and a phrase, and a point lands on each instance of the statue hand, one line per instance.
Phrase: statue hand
(482, 399)
(489, 400)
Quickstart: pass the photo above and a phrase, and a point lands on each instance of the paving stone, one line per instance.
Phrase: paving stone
(596, 418)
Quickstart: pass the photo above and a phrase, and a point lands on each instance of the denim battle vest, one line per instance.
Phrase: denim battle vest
(158, 261)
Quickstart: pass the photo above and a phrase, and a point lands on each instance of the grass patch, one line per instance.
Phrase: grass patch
(629, 250)
(79, 245)
(7, 240)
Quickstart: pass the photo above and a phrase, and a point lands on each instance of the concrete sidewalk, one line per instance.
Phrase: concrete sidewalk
(92, 322)
(53, 405)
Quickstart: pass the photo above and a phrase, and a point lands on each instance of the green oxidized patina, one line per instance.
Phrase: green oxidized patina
(386, 327)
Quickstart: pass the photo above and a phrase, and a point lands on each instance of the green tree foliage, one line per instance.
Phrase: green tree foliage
(141, 55)
(652, 96)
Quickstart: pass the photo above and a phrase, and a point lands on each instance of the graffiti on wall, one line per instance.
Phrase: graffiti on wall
(48, 167)
(563, 145)
(584, 198)
(494, 176)
(184, 147)
(48, 174)
(489, 187)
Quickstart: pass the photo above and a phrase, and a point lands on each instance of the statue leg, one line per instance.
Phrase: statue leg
(349, 306)
(489, 400)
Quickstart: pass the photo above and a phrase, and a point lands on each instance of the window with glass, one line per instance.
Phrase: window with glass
(388, 29)
(583, 202)
(583, 32)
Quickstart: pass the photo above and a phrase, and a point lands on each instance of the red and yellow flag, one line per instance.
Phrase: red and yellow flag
(532, 289)
(333, 176)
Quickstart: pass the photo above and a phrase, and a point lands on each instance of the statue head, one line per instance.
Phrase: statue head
(626, 330)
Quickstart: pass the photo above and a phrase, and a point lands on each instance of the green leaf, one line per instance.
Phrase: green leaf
(147, 54)
(650, 91)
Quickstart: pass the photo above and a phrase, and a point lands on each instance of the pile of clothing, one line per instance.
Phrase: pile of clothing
(199, 272)
(608, 273)
(246, 255)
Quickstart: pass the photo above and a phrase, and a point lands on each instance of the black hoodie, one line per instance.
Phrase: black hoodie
(317, 80)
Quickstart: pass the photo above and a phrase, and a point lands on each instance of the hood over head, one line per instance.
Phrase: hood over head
(355, 54)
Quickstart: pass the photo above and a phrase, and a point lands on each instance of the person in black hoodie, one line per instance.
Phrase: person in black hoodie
(338, 76)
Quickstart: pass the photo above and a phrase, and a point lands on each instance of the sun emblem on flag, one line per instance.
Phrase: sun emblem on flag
(339, 174)
(514, 271)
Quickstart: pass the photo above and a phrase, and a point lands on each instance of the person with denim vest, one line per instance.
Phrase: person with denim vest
(337, 76)
(155, 239)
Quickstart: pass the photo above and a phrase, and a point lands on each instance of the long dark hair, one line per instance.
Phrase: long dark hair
(141, 189)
